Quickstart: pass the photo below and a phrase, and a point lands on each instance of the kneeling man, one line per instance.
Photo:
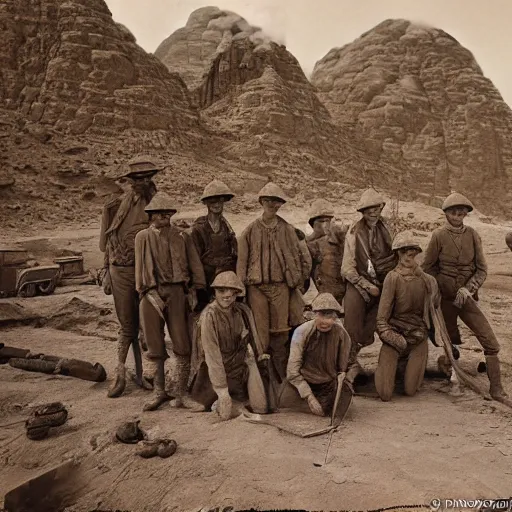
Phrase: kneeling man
(226, 349)
(320, 350)
(403, 320)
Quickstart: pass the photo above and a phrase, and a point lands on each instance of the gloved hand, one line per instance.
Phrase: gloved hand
(314, 405)
(224, 404)
(373, 291)
(462, 296)
(395, 340)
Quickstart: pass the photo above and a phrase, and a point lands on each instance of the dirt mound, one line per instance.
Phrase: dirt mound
(416, 99)
(84, 318)
(15, 313)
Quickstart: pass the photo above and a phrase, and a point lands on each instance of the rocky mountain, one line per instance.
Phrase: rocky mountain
(419, 102)
(254, 92)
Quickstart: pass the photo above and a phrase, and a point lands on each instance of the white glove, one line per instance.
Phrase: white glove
(462, 296)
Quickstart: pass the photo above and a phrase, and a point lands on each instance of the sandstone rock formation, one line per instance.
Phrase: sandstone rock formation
(419, 102)
(254, 92)
(68, 65)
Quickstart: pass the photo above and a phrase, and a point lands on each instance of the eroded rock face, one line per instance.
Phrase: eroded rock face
(68, 65)
(420, 103)
(254, 92)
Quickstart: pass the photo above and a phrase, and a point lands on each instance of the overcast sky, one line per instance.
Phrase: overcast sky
(310, 28)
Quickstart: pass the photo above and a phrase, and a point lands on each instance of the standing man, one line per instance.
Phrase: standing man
(122, 219)
(367, 259)
(403, 320)
(167, 266)
(320, 350)
(214, 238)
(455, 257)
(326, 245)
(273, 266)
(227, 351)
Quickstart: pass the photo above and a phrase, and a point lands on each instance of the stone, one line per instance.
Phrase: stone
(418, 101)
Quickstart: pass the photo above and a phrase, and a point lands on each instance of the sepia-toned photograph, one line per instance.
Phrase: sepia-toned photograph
(255, 255)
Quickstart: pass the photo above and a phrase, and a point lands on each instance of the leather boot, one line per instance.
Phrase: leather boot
(119, 384)
(159, 394)
(182, 399)
(494, 373)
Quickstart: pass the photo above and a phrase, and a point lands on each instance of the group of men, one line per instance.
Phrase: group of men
(234, 307)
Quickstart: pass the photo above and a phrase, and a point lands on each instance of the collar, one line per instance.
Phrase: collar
(404, 271)
(455, 230)
(269, 226)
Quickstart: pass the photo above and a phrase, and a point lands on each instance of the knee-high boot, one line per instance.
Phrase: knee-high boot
(494, 373)
(181, 382)
(159, 394)
(117, 388)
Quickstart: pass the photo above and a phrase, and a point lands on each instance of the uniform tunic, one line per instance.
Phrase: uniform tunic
(455, 257)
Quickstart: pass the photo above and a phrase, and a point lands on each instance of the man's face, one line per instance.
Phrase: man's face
(161, 219)
(215, 204)
(372, 215)
(407, 256)
(225, 296)
(271, 205)
(455, 216)
(324, 320)
(125, 184)
(321, 225)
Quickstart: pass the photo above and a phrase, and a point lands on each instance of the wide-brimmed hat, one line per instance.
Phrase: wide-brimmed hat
(405, 240)
(456, 199)
(369, 199)
(229, 279)
(272, 190)
(217, 189)
(143, 166)
(326, 302)
(320, 208)
(161, 202)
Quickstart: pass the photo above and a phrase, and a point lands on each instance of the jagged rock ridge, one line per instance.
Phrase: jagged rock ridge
(420, 103)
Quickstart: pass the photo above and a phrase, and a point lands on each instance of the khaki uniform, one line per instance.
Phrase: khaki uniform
(327, 257)
(367, 259)
(166, 265)
(217, 250)
(316, 359)
(273, 265)
(456, 259)
(222, 358)
(404, 310)
(122, 219)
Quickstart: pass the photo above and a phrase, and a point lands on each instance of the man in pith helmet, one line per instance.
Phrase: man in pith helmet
(214, 238)
(403, 319)
(273, 266)
(455, 257)
(122, 218)
(320, 350)
(367, 259)
(326, 245)
(167, 266)
(227, 348)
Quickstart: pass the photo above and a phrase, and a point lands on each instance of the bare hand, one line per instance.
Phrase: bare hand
(192, 299)
(374, 291)
(314, 405)
(224, 405)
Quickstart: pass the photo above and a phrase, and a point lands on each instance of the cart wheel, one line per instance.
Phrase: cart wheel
(28, 290)
(47, 288)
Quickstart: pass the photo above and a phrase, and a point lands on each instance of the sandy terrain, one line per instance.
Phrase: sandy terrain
(405, 452)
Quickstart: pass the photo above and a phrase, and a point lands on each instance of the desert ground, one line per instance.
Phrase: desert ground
(405, 452)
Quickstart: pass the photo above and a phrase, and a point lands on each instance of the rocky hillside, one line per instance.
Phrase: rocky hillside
(254, 92)
(419, 102)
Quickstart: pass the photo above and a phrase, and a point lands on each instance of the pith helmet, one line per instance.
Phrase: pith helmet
(456, 199)
(320, 208)
(141, 167)
(326, 302)
(217, 189)
(161, 202)
(228, 279)
(405, 239)
(370, 198)
(272, 190)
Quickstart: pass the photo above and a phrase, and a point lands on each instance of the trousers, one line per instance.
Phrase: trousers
(385, 374)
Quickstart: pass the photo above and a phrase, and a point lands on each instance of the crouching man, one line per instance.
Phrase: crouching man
(320, 350)
(403, 320)
(225, 351)
(167, 268)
